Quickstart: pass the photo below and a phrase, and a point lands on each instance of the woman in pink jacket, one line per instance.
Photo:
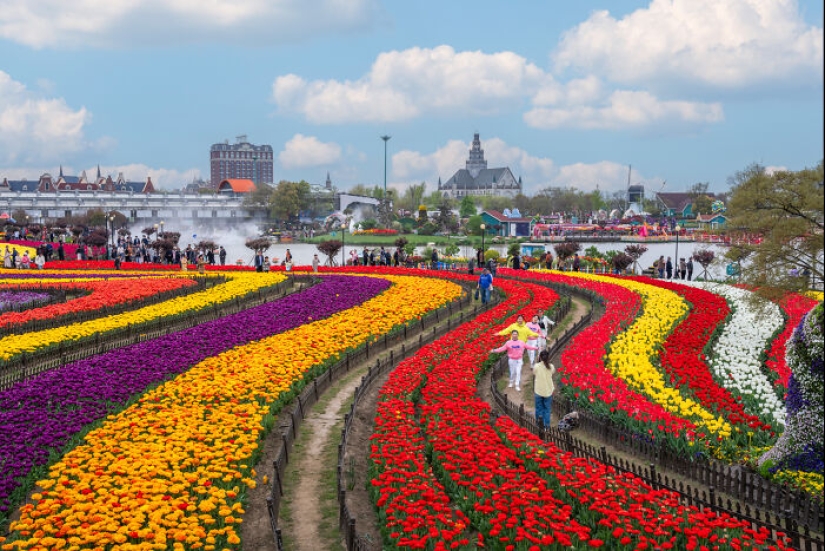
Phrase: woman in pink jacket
(515, 354)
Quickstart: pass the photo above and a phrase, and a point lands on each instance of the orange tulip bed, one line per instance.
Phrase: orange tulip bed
(155, 445)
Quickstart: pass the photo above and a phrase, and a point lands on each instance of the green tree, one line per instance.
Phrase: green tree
(490, 202)
(785, 210)
(523, 204)
(260, 197)
(473, 225)
(288, 199)
(467, 208)
(412, 197)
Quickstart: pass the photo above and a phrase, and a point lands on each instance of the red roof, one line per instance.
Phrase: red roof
(238, 185)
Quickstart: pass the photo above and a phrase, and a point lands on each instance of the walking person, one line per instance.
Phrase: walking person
(485, 284)
(682, 269)
(543, 372)
(515, 348)
(534, 326)
(669, 268)
(315, 263)
(576, 262)
(222, 255)
(7, 261)
(660, 267)
(434, 259)
(690, 268)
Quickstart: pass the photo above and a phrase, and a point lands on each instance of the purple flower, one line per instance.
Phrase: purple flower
(39, 417)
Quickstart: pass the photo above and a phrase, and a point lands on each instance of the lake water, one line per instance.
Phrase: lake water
(303, 253)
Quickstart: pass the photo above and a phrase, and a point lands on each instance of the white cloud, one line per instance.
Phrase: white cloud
(771, 170)
(307, 151)
(606, 175)
(103, 23)
(162, 178)
(35, 129)
(625, 109)
(402, 85)
(727, 44)
(422, 82)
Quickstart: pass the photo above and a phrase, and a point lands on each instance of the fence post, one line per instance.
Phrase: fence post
(350, 533)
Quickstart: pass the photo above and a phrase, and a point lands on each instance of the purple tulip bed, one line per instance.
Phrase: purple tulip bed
(15, 300)
(42, 417)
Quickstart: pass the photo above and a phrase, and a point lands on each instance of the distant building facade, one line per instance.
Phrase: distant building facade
(478, 180)
(240, 160)
(49, 184)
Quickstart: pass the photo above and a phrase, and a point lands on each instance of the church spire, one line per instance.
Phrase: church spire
(98, 171)
(476, 162)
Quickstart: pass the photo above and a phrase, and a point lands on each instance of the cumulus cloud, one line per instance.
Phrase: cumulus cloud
(726, 44)
(34, 128)
(50, 23)
(624, 109)
(306, 151)
(418, 82)
(162, 178)
(405, 84)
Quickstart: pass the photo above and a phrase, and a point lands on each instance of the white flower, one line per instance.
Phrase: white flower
(736, 357)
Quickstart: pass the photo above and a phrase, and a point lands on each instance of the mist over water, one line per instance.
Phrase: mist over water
(233, 239)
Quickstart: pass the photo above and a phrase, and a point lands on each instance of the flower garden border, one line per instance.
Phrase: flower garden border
(801, 514)
(26, 366)
(427, 329)
(80, 317)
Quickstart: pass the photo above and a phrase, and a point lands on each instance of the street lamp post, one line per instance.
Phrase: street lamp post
(483, 231)
(386, 139)
(161, 227)
(112, 235)
(343, 246)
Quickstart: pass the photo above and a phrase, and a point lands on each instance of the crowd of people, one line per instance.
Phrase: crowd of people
(666, 269)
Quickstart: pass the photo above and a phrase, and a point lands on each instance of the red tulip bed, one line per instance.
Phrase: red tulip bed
(445, 478)
(794, 307)
(102, 294)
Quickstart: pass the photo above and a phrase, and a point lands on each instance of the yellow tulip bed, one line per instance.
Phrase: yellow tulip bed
(237, 284)
(631, 351)
(170, 471)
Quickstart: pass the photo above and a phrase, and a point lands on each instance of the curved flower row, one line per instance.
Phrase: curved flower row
(632, 350)
(624, 510)
(737, 355)
(588, 381)
(171, 469)
(795, 307)
(683, 357)
(494, 486)
(44, 414)
(237, 284)
(103, 294)
(413, 505)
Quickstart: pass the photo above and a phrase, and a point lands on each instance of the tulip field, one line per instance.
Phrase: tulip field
(155, 445)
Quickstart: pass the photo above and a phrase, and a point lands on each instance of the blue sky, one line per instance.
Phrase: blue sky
(565, 94)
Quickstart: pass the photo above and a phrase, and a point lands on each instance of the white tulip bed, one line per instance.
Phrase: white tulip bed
(736, 357)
